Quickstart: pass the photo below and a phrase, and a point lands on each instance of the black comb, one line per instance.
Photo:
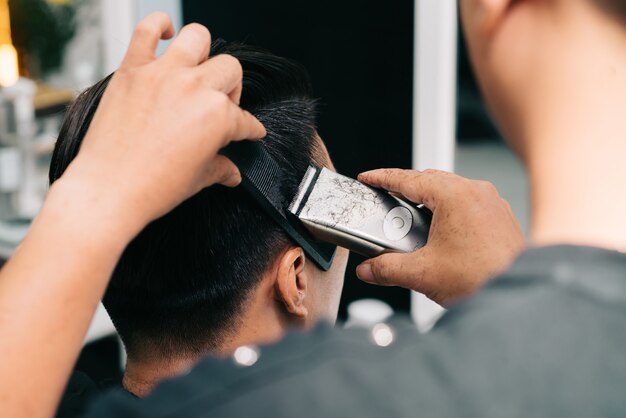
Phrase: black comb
(261, 179)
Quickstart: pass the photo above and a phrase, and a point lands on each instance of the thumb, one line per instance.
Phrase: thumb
(394, 269)
(223, 171)
(428, 187)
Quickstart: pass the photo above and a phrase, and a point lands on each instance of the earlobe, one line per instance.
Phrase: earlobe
(291, 282)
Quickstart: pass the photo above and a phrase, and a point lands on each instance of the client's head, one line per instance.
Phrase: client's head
(216, 272)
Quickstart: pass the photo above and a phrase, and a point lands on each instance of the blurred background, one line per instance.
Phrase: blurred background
(395, 86)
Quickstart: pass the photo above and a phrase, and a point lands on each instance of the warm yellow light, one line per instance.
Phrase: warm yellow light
(5, 23)
(9, 71)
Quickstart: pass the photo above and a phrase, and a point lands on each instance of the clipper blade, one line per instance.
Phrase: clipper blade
(304, 189)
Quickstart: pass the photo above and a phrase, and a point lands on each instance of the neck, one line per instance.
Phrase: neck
(263, 321)
(141, 376)
(577, 146)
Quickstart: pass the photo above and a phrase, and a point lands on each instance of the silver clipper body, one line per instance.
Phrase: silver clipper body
(348, 213)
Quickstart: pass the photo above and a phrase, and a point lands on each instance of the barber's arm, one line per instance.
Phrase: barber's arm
(474, 235)
(152, 143)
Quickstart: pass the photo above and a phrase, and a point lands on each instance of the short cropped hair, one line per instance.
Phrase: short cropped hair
(181, 283)
(616, 8)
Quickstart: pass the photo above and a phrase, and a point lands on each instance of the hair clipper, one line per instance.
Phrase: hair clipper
(368, 221)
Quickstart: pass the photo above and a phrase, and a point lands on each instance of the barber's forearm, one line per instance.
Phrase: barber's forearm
(68, 257)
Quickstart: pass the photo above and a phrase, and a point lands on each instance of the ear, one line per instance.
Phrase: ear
(291, 281)
(488, 14)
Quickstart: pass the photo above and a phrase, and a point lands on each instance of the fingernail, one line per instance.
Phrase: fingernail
(363, 175)
(364, 272)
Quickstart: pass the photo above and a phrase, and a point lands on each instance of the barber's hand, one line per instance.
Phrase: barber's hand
(154, 139)
(474, 235)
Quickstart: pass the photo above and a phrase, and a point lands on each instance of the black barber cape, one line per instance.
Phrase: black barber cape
(547, 339)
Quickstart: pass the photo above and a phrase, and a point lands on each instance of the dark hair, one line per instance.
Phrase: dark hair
(616, 8)
(180, 284)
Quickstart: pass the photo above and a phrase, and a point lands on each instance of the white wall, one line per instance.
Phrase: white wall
(434, 106)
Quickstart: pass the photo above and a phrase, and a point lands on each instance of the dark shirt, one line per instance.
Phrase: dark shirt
(79, 391)
(547, 339)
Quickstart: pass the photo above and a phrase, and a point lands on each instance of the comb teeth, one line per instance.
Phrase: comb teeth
(265, 174)
(259, 169)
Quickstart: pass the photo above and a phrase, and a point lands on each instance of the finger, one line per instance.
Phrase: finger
(394, 269)
(191, 47)
(223, 171)
(148, 32)
(245, 126)
(419, 187)
(224, 73)
(391, 179)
